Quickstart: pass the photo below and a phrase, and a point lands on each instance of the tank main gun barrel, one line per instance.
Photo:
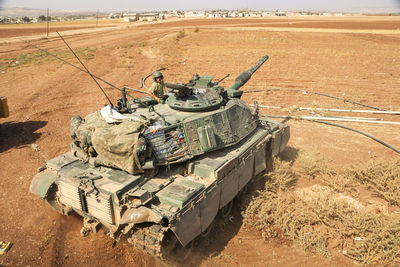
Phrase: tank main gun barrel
(246, 75)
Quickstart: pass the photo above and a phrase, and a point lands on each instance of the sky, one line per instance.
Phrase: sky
(159, 5)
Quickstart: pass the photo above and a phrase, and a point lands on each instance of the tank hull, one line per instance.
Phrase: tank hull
(181, 200)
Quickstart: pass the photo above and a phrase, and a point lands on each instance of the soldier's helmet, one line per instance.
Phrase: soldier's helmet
(157, 74)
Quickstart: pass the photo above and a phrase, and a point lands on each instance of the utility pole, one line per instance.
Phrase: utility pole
(47, 19)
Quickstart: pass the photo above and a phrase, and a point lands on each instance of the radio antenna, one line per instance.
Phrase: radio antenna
(91, 75)
(85, 71)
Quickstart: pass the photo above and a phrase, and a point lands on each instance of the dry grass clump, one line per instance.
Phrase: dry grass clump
(180, 35)
(38, 58)
(313, 164)
(325, 218)
(382, 177)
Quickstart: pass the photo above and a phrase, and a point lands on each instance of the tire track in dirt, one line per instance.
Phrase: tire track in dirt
(53, 248)
(62, 239)
(122, 254)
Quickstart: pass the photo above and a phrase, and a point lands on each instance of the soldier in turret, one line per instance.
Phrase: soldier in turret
(158, 86)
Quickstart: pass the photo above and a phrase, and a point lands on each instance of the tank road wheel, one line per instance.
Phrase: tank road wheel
(208, 230)
(168, 243)
(243, 191)
(226, 210)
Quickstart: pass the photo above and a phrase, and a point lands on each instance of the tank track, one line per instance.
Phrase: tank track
(149, 239)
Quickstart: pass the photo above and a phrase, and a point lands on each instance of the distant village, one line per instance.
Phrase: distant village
(155, 16)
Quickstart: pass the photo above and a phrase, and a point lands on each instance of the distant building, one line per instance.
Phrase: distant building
(280, 14)
(218, 14)
(266, 14)
(195, 14)
(130, 17)
(150, 16)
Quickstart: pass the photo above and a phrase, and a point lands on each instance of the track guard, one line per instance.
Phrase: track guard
(41, 183)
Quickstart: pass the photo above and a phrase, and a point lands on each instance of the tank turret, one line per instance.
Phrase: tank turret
(202, 94)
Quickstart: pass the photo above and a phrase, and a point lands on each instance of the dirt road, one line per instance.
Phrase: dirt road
(316, 55)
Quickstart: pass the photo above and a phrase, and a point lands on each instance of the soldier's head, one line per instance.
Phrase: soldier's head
(157, 76)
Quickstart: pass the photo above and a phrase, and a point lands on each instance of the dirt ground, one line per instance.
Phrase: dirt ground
(311, 55)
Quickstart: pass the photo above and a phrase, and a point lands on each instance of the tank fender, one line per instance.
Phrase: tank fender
(42, 182)
(140, 215)
(280, 140)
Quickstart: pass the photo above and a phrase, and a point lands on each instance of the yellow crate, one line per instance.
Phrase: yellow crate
(5, 246)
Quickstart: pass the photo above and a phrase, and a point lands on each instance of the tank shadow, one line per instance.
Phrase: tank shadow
(222, 232)
(19, 134)
(289, 154)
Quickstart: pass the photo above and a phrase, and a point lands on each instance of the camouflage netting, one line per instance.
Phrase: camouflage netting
(113, 145)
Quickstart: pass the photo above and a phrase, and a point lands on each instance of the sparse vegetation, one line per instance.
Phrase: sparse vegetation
(22, 59)
(180, 35)
(196, 29)
(313, 164)
(143, 43)
(327, 217)
(382, 177)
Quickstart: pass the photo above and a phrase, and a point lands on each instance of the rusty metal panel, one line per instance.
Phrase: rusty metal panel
(276, 143)
(260, 163)
(209, 207)
(229, 167)
(285, 137)
(229, 188)
(181, 228)
(246, 170)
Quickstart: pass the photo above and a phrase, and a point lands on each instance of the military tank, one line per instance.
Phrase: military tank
(158, 171)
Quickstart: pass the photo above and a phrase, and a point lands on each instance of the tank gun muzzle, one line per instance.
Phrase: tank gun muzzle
(246, 75)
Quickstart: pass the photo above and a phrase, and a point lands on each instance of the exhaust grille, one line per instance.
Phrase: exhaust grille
(70, 196)
(99, 206)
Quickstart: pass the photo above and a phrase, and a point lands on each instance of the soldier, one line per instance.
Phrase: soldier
(158, 87)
